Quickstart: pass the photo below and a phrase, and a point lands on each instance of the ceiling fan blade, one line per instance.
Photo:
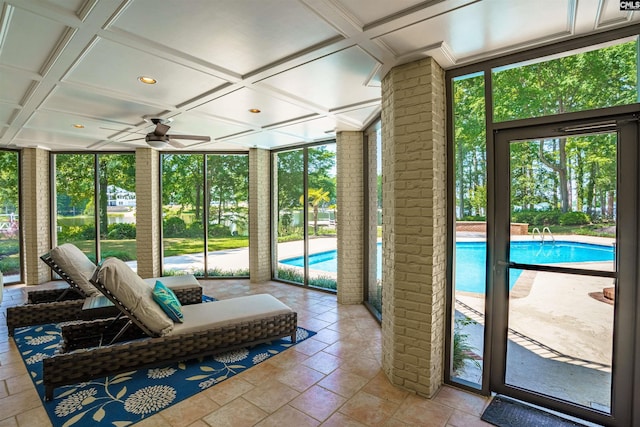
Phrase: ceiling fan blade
(161, 129)
(202, 138)
(122, 131)
(176, 144)
(134, 139)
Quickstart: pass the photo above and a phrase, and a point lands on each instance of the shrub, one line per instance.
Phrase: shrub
(219, 230)
(77, 232)
(574, 218)
(10, 265)
(547, 218)
(473, 218)
(9, 247)
(527, 217)
(174, 227)
(195, 229)
(290, 274)
(323, 282)
(122, 255)
(121, 231)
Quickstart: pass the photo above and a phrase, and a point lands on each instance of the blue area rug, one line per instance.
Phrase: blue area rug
(130, 397)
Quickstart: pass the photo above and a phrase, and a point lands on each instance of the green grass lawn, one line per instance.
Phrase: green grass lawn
(172, 246)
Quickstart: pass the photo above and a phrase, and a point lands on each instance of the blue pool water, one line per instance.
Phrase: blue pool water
(471, 258)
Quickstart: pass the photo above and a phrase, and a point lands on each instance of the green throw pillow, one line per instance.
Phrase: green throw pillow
(168, 301)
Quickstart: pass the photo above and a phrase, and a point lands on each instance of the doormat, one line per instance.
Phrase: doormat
(504, 412)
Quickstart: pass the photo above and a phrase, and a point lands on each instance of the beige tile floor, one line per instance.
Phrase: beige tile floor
(332, 379)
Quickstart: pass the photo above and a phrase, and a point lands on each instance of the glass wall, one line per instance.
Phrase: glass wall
(373, 220)
(75, 209)
(108, 227)
(205, 205)
(470, 230)
(228, 219)
(564, 188)
(601, 77)
(305, 219)
(10, 264)
(290, 230)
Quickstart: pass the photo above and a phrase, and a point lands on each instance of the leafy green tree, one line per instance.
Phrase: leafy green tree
(8, 182)
(182, 182)
(470, 143)
(228, 182)
(316, 197)
(600, 78)
(118, 170)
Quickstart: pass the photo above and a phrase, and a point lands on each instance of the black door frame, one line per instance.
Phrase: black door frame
(625, 321)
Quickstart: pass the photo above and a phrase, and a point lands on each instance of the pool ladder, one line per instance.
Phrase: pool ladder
(542, 233)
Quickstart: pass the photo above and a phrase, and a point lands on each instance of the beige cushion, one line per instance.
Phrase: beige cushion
(175, 282)
(76, 264)
(134, 294)
(199, 317)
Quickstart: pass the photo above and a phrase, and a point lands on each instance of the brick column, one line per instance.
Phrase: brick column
(35, 217)
(259, 215)
(414, 231)
(148, 221)
(350, 216)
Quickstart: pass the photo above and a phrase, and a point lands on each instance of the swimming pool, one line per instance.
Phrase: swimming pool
(471, 258)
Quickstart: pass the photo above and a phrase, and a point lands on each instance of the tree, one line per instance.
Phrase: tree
(75, 182)
(118, 170)
(600, 78)
(470, 155)
(228, 182)
(182, 181)
(316, 197)
(8, 182)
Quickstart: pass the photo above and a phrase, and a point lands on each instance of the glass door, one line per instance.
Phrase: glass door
(564, 269)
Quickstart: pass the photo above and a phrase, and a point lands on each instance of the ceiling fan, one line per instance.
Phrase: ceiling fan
(159, 138)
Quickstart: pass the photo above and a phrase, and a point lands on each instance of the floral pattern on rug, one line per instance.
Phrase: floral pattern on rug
(129, 397)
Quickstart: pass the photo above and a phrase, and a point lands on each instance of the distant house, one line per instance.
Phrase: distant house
(117, 196)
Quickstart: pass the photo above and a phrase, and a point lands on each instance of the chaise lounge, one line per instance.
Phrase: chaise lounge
(61, 305)
(145, 336)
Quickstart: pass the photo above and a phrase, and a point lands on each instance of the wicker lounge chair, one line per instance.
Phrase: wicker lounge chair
(145, 336)
(65, 304)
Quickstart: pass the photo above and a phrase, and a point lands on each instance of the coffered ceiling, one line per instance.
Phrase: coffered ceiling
(312, 67)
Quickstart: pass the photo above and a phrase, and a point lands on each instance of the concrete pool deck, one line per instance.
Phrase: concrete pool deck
(560, 331)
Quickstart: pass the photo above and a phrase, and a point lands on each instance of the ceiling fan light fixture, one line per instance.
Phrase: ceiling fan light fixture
(147, 80)
(254, 110)
(157, 144)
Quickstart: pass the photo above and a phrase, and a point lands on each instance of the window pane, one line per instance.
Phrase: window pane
(9, 217)
(117, 183)
(322, 208)
(374, 236)
(604, 77)
(75, 203)
(290, 227)
(469, 275)
(228, 240)
(183, 206)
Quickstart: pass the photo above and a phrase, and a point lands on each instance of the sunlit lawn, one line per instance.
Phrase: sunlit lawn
(172, 245)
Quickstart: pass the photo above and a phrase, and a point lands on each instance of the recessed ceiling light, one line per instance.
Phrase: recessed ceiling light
(147, 80)
(78, 126)
(254, 110)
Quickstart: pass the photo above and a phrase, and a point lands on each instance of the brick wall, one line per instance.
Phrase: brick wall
(350, 216)
(148, 226)
(516, 228)
(414, 225)
(35, 217)
(259, 215)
